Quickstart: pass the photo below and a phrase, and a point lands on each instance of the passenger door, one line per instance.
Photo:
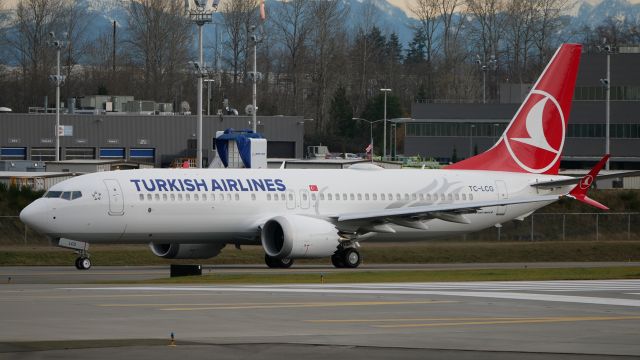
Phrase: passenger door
(116, 200)
(501, 187)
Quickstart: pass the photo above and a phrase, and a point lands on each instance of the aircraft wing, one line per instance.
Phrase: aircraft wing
(575, 181)
(410, 216)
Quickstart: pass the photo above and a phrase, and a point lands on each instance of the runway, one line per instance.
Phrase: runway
(466, 320)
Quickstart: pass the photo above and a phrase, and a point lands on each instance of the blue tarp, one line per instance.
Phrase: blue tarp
(243, 143)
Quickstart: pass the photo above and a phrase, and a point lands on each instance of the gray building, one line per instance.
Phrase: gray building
(141, 138)
(439, 128)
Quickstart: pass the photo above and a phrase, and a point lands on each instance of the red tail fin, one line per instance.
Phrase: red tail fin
(580, 191)
(534, 139)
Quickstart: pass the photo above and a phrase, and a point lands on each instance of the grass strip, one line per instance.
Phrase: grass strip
(373, 253)
(350, 276)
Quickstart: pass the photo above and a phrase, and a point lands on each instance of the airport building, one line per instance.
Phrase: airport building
(441, 129)
(153, 139)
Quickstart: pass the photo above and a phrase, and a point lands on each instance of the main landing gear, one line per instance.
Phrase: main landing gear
(346, 258)
(277, 263)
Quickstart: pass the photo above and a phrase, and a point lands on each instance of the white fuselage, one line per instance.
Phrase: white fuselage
(230, 205)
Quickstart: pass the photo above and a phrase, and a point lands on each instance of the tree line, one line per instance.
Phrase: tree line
(316, 62)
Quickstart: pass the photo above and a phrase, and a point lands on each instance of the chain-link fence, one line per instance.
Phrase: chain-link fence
(537, 227)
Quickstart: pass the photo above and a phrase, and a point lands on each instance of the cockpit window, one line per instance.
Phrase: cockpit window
(76, 195)
(53, 194)
(66, 195)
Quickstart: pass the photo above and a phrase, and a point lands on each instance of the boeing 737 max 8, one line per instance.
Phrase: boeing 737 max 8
(194, 213)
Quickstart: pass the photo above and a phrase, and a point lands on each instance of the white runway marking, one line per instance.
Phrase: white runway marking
(495, 290)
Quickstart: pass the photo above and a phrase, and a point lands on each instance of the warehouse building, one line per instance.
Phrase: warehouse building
(154, 139)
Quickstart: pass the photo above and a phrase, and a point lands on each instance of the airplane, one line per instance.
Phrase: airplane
(296, 214)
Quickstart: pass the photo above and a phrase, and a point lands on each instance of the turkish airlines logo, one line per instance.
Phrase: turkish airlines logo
(586, 182)
(536, 138)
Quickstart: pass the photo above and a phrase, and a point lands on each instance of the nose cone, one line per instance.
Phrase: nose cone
(35, 217)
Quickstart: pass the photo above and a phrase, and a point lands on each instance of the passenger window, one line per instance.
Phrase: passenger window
(164, 197)
(414, 196)
(421, 197)
(76, 195)
(352, 197)
(329, 196)
(173, 197)
(187, 197)
(344, 196)
(290, 197)
(337, 196)
(322, 196)
(428, 197)
(382, 197)
(228, 197)
(269, 197)
(237, 197)
(366, 196)
(375, 196)
(397, 196)
(390, 197)
(406, 197)
(457, 196)
(221, 197)
(149, 197)
(313, 197)
(253, 197)
(464, 196)
(66, 195)
(449, 197)
(304, 197)
(141, 197)
(179, 197)
(470, 196)
(204, 197)
(441, 196)
(157, 197)
(196, 197)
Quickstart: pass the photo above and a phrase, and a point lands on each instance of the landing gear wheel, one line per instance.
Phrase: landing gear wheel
(336, 260)
(277, 263)
(351, 258)
(83, 263)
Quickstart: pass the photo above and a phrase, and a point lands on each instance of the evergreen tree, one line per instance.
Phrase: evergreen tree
(417, 49)
(394, 49)
(341, 114)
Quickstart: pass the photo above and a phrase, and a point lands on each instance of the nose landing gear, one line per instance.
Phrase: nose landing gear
(81, 248)
(83, 262)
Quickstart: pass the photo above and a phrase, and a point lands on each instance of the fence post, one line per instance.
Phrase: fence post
(532, 226)
(25, 235)
(564, 216)
(597, 229)
(629, 227)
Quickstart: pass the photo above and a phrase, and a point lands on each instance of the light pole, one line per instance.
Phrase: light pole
(200, 12)
(606, 82)
(370, 131)
(58, 80)
(484, 66)
(254, 77)
(384, 133)
(209, 81)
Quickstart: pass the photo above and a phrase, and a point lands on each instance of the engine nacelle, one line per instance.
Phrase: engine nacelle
(186, 251)
(297, 237)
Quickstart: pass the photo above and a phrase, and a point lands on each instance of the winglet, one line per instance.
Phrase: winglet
(580, 191)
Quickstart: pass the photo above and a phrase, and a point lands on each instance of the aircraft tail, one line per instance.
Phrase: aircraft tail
(533, 141)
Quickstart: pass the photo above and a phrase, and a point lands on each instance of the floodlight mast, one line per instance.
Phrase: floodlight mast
(201, 13)
(57, 79)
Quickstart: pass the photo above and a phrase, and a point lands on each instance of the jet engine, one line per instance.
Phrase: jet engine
(186, 251)
(297, 237)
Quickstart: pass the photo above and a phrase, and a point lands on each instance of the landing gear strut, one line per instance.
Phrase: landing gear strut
(277, 263)
(346, 258)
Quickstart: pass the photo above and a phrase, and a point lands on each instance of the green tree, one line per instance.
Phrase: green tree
(417, 49)
(341, 114)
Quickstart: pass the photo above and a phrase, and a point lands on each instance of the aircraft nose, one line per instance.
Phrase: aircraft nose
(35, 217)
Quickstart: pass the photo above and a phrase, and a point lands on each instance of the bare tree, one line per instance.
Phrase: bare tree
(519, 36)
(547, 23)
(426, 11)
(31, 24)
(329, 39)
(159, 36)
(291, 23)
(238, 16)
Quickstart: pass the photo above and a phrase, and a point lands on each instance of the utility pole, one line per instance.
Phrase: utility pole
(254, 78)
(384, 132)
(58, 80)
(606, 82)
(485, 66)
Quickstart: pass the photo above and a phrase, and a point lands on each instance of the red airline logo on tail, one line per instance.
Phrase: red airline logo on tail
(533, 141)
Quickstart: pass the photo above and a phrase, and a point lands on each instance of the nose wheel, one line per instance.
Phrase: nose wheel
(83, 263)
